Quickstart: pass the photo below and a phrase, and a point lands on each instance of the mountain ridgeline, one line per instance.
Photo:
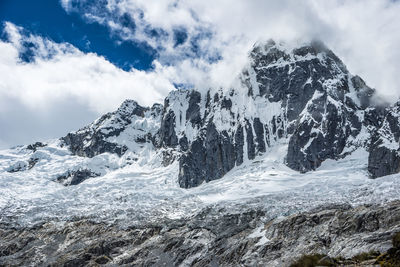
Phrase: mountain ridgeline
(304, 97)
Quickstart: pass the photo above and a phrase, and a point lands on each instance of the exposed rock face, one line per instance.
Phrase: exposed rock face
(210, 238)
(181, 112)
(384, 157)
(317, 92)
(76, 177)
(34, 146)
(209, 158)
(193, 112)
(306, 95)
(302, 99)
(383, 161)
(32, 162)
(167, 131)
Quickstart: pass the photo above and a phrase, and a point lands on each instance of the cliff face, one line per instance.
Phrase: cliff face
(384, 157)
(305, 95)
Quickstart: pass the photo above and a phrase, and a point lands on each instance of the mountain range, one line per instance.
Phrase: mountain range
(296, 133)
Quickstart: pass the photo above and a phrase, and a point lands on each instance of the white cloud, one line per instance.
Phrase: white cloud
(69, 73)
(362, 32)
(63, 89)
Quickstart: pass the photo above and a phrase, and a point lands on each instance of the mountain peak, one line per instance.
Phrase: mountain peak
(271, 46)
(301, 96)
(131, 107)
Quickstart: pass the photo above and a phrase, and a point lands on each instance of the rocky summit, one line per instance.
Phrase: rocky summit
(278, 169)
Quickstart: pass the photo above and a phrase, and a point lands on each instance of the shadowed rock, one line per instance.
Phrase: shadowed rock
(76, 177)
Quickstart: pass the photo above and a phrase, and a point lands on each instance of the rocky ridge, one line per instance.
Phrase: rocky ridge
(100, 136)
(210, 238)
(305, 95)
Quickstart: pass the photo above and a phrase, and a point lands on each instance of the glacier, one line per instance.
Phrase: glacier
(136, 193)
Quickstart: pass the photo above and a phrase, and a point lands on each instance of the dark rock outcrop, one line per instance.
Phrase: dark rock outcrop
(35, 146)
(167, 130)
(76, 143)
(32, 162)
(384, 154)
(383, 161)
(193, 111)
(208, 159)
(23, 165)
(76, 177)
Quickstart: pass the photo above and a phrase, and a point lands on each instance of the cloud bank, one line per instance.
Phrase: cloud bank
(199, 43)
(61, 71)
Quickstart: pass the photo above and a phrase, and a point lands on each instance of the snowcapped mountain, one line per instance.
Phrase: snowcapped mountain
(304, 95)
(302, 101)
(296, 131)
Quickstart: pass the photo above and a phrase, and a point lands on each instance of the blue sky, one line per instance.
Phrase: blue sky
(49, 19)
(63, 63)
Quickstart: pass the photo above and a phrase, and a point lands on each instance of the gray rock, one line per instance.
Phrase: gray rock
(251, 148)
(318, 117)
(208, 159)
(18, 167)
(259, 131)
(383, 161)
(209, 238)
(184, 143)
(239, 143)
(193, 111)
(226, 103)
(35, 146)
(309, 147)
(76, 177)
(167, 130)
(384, 152)
(32, 162)
(192, 165)
(364, 93)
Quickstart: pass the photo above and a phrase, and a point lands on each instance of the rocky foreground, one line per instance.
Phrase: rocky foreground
(208, 239)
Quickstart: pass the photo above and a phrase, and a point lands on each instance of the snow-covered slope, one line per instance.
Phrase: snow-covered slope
(135, 193)
(291, 111)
